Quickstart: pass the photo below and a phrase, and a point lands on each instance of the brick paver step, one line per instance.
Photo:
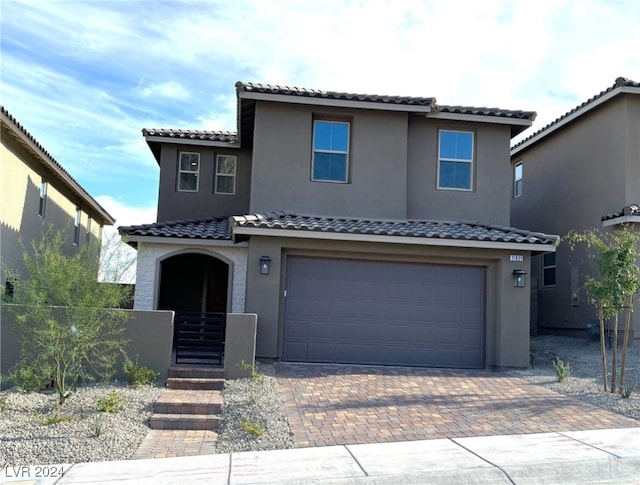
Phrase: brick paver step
(184, 421)
(197, 372)
(194, 383)
(181, 401)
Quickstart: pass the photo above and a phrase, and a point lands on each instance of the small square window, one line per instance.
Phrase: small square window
(226, 167)
(517, 180)
(455, 160)
(330, 151)
(549, 269)
(188, 172)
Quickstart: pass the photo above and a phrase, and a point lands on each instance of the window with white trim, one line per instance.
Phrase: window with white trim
(43, 198)
(76, 227)
(517, 180)
(549, 269)
(87, 236)
(188, 172)
(455, 160)
(330, 159)
(225, 183)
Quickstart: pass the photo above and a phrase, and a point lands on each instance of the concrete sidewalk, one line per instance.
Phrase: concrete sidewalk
(602, 456)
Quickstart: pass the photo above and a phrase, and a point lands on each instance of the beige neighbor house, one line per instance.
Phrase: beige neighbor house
(36, 192)
(581, 171)
(359, 228)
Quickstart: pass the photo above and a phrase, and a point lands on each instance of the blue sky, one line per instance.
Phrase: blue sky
(84, 77)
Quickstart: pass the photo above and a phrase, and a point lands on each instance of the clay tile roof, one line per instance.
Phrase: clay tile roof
(503, 113)
(628, 210)
(204, 135)
(209, 228)
(313, 93)
(472, 231)
(620, 82)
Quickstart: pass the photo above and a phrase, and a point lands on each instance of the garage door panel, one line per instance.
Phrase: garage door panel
(384, 313)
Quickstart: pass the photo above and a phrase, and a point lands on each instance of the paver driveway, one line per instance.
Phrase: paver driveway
(346, 404)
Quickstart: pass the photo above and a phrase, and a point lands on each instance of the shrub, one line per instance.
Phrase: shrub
(110, 404)
(97, 426)
(139, 375)
(562, 368)
(249, 427)
(627, 390)
(72, 327)
(4, 403)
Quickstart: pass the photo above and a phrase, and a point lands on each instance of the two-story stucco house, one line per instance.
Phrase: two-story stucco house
(582, 171)
(36, 193)
(359, 228)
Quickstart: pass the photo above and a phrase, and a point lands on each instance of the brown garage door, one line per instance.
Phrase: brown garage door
(373, 312)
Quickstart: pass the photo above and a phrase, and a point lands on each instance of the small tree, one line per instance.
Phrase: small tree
(615, 254)
(72, 325)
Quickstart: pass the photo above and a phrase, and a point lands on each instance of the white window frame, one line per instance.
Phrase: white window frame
(553, 266)
(181, 171)
(339, 152)
(87, 236)
(42, 201)
(76, 226)
(443, 159)
(516, 192)
(218, 174)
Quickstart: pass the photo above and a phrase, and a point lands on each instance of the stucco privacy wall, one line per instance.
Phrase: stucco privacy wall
(150, 255)
(507, 308)
(150, 336)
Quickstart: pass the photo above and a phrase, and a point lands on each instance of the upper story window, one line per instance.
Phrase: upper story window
(455, 160)
(43, 198)
(549, 269)
(330, 151)
(226, 166)
(189, 171)
(517, 180)
(76, 227)
(87, 236)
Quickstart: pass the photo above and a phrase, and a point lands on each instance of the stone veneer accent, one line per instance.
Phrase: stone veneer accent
(148, 267)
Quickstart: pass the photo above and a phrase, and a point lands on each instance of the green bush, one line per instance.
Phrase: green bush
(562, 368)
(249, 427)
(139, 375)
(4, 403)
(110, 404)
(31, 379)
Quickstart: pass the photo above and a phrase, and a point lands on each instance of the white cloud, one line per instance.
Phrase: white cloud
(126, 215)
(170, 89)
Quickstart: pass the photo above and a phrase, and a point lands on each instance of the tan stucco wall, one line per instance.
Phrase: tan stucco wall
(570, 180)
(19, 202)
(507, 308)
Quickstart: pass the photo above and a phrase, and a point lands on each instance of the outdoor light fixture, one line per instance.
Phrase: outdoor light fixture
(518, 278)
(265, 265)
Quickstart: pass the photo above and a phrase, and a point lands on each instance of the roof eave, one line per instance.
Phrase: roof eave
(518, 124)
(51, 165)
(616, 221)
(344, 103)
(187, 241)
(555, 126)
(189, 141)
(422, 241)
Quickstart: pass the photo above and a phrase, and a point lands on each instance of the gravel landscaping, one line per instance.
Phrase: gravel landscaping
(253, 415)
(585, 382)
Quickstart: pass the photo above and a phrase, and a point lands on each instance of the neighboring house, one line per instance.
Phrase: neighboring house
(581, 171)
(349, 224)
(35, 193)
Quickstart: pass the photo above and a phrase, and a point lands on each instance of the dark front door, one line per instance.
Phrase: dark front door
(195, 287)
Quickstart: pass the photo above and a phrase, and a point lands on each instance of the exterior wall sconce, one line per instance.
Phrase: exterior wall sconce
(265, 265)
(518, 278)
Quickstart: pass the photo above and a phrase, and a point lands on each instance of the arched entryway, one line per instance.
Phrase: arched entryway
(196, 286)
